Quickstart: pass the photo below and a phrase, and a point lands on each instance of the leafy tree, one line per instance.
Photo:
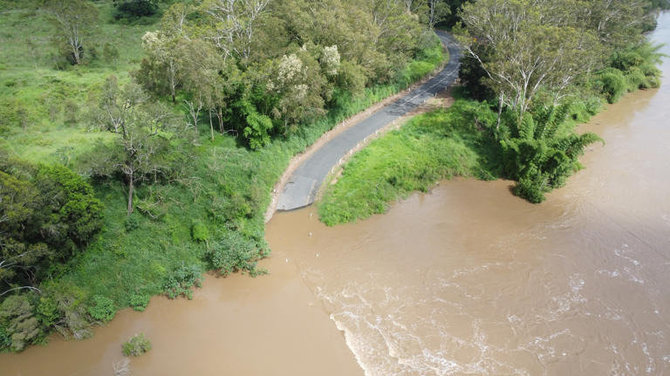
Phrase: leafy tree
(21, 326)
(163, 60)
(73, 20)
(143, 148)
(235, 24)
(438, 10)
(47, 215)
(522, 53)
(298, 84)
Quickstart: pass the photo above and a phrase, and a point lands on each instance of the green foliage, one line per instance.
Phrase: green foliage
(613, 84)
(73, 203)
(538, 152)
(101, 308)
(136, 345)
(181, 281)
(50, 214)
(47, 311)
(199, 232)
(131, 223)
(19, 326)
(234, 253)
(131, 9)
(630, 69)
(257, 128)
(139, 301)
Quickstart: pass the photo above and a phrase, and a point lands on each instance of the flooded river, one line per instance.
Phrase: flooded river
(466, 280)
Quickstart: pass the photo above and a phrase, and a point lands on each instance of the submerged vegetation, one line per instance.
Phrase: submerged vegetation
(136, 345)
(150, 157)
(532, 91)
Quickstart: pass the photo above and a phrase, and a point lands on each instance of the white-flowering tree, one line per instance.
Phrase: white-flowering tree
(235, 23)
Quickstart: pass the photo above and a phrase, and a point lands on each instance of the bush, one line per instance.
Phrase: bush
(139, 302)
(47, 311)
(101, 308)
(131, 223)
(613, 84)
(539, 154)
(181, 280)
(18, 326)
(135, 9)
(199, 232)
(234, 253)
(136, 345)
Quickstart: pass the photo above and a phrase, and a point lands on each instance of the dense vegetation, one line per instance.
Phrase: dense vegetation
(143, 149)
(538, 68)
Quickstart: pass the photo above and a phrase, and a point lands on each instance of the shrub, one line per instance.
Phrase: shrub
(47, 311)
(139, 302)
(234, 253)
(101, 308)
(136, 345)
(199, 232)
(613, 84)
(135, 9)
(181, 280)
(18, 326)
(110, 53)
(131, 223)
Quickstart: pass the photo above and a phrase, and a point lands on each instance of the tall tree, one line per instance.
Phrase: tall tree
(142, 149)
(235, 24)
(74, 20)
(522, 53)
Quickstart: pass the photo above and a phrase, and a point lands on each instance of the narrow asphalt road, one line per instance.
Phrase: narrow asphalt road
(303, 185)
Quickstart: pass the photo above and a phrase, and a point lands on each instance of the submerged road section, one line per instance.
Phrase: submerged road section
(303, 185)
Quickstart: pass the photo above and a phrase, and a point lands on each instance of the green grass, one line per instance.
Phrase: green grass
(42, 109)
(430, 147)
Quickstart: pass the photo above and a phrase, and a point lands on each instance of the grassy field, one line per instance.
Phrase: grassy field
(43, 120)
(42, 109)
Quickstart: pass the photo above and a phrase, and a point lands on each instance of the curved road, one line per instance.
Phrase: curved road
(304, 183)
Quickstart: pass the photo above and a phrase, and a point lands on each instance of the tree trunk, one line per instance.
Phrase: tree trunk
(75, 54)
(211, 126)
(131, 189)
(500, 108)
(219, 115)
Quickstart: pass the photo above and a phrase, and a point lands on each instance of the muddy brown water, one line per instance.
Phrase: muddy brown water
(466, 280)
